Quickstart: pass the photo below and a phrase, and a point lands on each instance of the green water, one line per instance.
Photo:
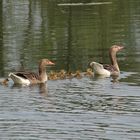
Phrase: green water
(72, 34)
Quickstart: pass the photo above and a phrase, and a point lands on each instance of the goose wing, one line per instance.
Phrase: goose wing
(110, 68)
(28, 75)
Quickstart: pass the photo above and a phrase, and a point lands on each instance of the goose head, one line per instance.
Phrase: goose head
(45, 62)
(42, 69)
(116, 48)
(105, 69)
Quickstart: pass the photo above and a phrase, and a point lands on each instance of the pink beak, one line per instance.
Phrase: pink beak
(51, 63)
(121, 47)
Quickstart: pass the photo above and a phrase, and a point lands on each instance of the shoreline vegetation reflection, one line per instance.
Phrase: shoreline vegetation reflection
(73, 103)
(72, 36)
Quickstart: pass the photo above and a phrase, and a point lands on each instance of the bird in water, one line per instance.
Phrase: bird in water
(4, 82)
(26, 77)
(62, 74)
(89, 72)
(108, 69)
(52, 75)
(77, 74)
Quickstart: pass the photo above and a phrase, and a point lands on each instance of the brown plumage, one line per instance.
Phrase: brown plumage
(26, 77)
(108, 69)
(61, 74)
(52, 75)
(78, 74)
(89, 72)
(4, 82)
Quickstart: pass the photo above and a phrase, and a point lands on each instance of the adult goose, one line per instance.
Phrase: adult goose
(26, 77)
(106, 69)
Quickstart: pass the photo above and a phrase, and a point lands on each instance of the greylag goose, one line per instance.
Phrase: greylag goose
(106, 69)
(26, 78)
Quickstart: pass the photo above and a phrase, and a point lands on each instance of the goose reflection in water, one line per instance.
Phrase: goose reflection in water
(35, 88)
(43, 90)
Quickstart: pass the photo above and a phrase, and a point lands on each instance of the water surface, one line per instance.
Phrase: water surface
(72, 35)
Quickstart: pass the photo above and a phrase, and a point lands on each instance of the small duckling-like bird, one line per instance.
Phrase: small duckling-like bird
(69, 75)
(4, 82)
(89, 72)
(78, 74)
(52, 75)
(26, 77)
(61, 74)
(105, 69)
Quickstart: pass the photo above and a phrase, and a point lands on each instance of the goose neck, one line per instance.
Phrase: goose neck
(42, 73)
(113, 59)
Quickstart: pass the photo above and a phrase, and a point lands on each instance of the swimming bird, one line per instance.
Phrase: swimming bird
(26, 77)
(4, 82)
(62, 74)
(52, 75)
(78, 74)
(106, 69)
(89, 72)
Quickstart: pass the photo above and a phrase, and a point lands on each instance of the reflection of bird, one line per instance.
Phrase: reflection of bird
(105, 69)
(89, 72)
(43, 89)
(26, 78)
(5, 81)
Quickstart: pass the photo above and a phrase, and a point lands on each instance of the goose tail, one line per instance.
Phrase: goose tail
(18, 80)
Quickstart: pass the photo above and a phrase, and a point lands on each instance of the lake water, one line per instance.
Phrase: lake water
(71, 34)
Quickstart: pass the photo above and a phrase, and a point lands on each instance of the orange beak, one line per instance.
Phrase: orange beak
(51, 63)
(121, 47)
